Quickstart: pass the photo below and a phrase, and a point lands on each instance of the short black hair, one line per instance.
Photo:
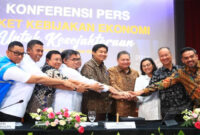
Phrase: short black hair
(50, 53)
(34, 42)
(122, 52)
(15, 43)
(164, 48)
(187, 49)
(67, 53)
(152, 62)
(97, 46)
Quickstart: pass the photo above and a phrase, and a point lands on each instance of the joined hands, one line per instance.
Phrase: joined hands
(126, 95)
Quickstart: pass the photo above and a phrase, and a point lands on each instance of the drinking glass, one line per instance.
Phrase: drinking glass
(92, 117)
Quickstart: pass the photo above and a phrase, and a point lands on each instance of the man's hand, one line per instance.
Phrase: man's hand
(113, 90)
(69, 84)
(96, 87)
(82, 88)
(122, 95)
(115, 96)
(136, 93)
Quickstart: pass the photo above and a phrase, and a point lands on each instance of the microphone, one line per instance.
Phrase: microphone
(168, 119)
(21, 101)
(18, 102)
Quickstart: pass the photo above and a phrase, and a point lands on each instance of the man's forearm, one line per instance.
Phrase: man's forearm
(45, 80)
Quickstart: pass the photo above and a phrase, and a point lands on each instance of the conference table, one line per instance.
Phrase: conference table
(142, 128)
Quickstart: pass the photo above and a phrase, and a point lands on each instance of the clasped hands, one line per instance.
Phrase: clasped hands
(125, 95)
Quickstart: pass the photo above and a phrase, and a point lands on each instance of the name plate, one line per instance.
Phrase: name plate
(40, 123)
(120, 125)
(7, 125)
(85, 124)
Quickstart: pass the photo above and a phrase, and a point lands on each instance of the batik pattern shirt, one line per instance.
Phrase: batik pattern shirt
(123, 81)
(99, 102)
(189, 79)
(174, 99)
(43, 96)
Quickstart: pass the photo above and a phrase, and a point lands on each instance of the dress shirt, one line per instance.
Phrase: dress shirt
(16, 74)
(9, 74)
(21, 91)
(72, 99)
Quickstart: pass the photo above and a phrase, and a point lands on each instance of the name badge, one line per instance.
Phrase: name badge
(7, 125)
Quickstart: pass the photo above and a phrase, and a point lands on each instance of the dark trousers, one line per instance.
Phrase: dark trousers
(7, 117)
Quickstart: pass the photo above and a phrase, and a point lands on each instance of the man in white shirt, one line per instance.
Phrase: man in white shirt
(72, 99)
(30, 73)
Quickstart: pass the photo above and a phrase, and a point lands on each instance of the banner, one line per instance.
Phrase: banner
(138, 26)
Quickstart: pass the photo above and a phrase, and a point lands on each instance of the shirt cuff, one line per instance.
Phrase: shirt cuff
(106, 88)
(140, 99)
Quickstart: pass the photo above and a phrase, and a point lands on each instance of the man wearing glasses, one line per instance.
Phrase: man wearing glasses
(8, 63)
(10, 73)
(72, 99)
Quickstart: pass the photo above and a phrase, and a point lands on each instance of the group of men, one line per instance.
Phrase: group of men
(20, 73)
(95, 87)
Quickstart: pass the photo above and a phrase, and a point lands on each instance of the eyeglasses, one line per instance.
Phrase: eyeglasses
(147, 65)
(17, 53)
(75, 59)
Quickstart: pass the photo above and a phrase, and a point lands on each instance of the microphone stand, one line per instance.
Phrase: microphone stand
(20, 101)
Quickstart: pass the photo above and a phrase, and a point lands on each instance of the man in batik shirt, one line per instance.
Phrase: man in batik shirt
(122, 77)
(95, 69)
(175, 98)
